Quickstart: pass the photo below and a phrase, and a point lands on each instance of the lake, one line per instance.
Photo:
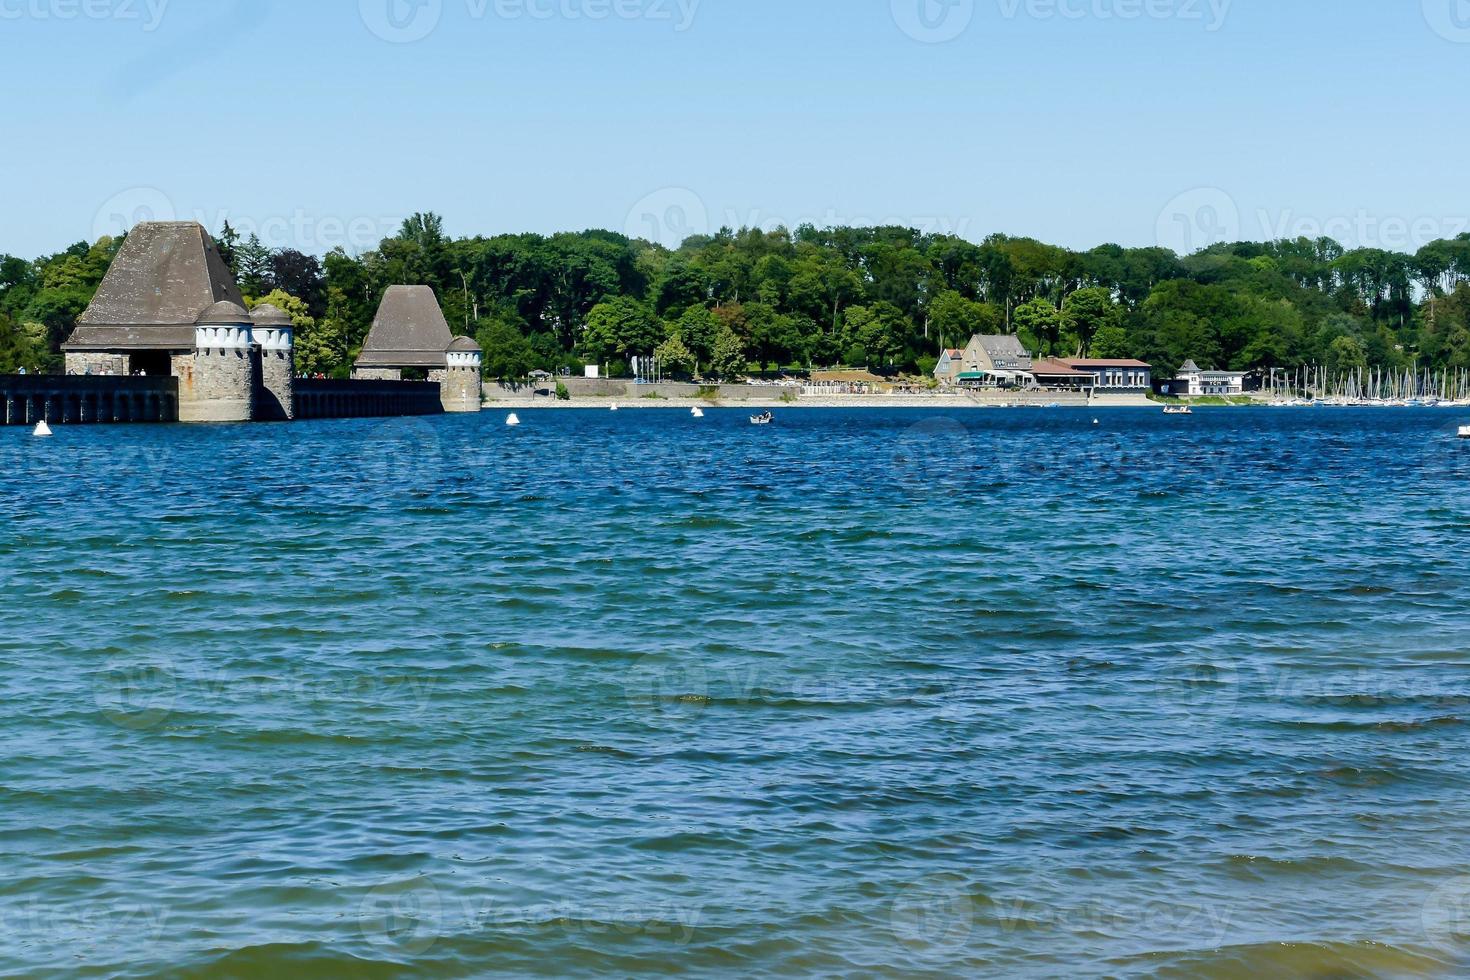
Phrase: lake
(1003, 693)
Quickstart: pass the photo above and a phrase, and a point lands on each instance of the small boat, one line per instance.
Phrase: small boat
(697, 412)
(764, 419)
(614, 406)
(42, 429)
(1464, 431)
(513, 419)
(1178, 410)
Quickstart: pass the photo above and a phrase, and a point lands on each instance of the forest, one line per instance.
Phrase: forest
(885, 298)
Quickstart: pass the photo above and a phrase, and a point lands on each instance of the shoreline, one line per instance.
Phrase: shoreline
(806, 402)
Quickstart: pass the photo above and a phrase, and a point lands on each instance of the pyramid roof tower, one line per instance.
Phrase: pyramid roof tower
(409, 331)
(165, 275)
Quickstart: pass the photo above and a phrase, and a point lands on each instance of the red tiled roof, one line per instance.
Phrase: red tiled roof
(1053, 368)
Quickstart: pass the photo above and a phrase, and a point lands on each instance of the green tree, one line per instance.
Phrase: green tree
(228, 241)
(507, 353)
(674, 356)
(1110, 342)
(1086, 312)
(1040, 323)
(956, 319)
(698, 328)
(728, 358)
(621, 328)
(878, 330)
(315, 351)
(254, 261)
(1345, 356)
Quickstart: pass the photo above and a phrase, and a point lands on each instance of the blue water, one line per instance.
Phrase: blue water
(864, 692)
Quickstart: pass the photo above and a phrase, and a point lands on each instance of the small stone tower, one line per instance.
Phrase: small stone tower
(276, 395)
(220, 384)
(460, 388)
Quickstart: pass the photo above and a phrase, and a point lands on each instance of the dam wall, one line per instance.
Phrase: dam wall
(360, 399)
(99, 399)
(81, 400)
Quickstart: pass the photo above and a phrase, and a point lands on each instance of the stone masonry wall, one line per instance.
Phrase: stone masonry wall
(276, 401)
(216, 387)
(460, 389)
(377, 374)
(85, 363)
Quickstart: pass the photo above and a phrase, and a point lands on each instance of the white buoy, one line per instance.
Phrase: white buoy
(513, 419)
(42, 429)
(1097, 421)
(697, 412)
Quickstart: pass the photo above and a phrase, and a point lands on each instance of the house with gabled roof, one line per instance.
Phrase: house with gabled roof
(947, 371)
(1195, 382)
(994, 361)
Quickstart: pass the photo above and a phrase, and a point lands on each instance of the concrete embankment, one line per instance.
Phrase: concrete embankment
(944, 403)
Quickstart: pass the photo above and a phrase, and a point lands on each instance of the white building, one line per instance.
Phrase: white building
(1193, 382)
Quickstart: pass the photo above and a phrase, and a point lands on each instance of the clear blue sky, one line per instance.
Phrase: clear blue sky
(1063, 119)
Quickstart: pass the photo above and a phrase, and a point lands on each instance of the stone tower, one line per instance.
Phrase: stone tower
(169, 305)
(219, 385)
(276, 395)
(460, 389)
(409, 333)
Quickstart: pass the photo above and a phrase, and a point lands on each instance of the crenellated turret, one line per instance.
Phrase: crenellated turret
(221, 385)
(460, 388)
(273, 332)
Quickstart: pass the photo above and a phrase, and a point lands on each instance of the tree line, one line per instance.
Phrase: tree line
(886, 298)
